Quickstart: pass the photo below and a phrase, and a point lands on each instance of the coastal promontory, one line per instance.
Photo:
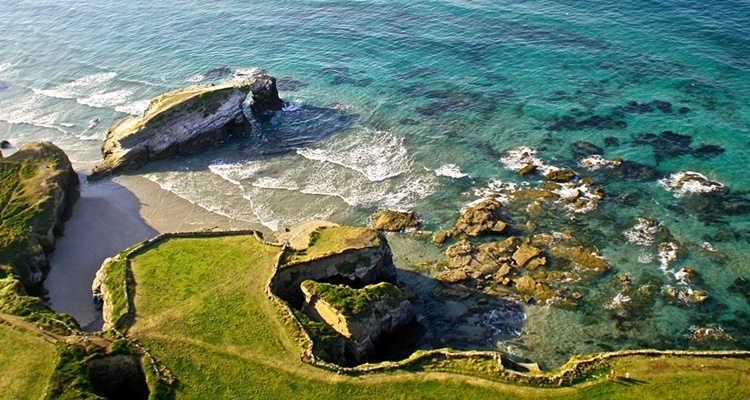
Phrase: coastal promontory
(39, 188)
(184, 121)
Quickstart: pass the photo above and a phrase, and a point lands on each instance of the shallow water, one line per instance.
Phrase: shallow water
(413, 106)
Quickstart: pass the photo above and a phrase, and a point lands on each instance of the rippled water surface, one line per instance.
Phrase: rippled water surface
(424, 105)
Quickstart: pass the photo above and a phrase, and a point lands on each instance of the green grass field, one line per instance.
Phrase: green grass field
(202, 311)
(26, 363)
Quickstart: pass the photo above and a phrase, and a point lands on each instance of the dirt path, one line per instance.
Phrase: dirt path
(79, 338)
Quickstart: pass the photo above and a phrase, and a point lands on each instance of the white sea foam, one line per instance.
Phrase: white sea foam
(496, 188)
(4, 66)
(275, 183)
(618, 301)
(450, 170)
(192, 188)
(378, 155)
(77, 87)
(596, 162)
(292, 106)
(667, 254)
(247, 73)
(136, 108)
(235, 172)
(642, 233)
(686, 183)
(29, 111)
(106, 99)
(520, 158)
(196, 78)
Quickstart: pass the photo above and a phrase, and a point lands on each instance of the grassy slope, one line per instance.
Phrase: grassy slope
(26, 363)
(202, 311)
(333, 240)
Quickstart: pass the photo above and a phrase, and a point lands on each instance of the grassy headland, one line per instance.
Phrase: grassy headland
(202, 310)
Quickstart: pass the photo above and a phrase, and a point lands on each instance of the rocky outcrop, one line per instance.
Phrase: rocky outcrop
(184, 121)
(560, 175)
(361, 316)
(480, 219)
(102, 296)
(394, 221)
(39, 188)
(367, 264)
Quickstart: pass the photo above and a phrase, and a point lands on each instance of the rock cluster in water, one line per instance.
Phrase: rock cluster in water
(394, 221)
(184, 121)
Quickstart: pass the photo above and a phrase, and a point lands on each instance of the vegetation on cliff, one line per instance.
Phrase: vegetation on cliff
(37, 190)
(351, 302)
(202, 310)
(326, 241)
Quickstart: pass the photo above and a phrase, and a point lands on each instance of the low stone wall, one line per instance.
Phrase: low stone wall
(569, 375)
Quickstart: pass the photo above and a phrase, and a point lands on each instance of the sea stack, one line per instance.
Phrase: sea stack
(184, 121)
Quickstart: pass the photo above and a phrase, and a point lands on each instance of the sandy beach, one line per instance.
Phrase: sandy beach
(110, 216)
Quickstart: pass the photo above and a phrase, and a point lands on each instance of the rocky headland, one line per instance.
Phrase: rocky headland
(362, 316)
(39, 188)
(337, 254)
(184, 121)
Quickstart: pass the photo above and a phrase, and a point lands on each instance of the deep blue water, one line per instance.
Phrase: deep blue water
(412, 105)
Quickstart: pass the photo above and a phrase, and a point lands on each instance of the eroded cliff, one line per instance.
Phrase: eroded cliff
(184, 121)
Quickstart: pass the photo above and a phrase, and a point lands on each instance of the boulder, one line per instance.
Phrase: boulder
(560, 175)
(394, 221)
(527, 170)
(480, 219)
(582, 258)
(452, 276)
(361, 316)
(441, 237)
(5, 145)
(535, 194)
(184, 121)
(264, 94)
(524, 253)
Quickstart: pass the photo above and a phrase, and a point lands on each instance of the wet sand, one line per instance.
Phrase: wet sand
(110, 216)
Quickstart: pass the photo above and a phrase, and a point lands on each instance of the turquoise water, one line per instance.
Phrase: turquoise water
(412, 105)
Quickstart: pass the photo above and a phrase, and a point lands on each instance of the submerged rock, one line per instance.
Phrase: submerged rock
(741, 286)
(708, 151)
(394, 221)
(527, 170)
(184, 121)
(582, 149)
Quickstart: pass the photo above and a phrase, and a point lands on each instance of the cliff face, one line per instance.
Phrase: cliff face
(184, 121)
(361, 316)
(39, 188)
(359, 266)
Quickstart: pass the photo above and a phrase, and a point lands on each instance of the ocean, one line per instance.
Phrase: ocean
(429, 106)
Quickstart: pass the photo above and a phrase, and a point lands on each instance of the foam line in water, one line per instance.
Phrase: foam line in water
(450, 170)
(136, 108)
(378, 155)
(685, 183)
(29, 111)
(106, 99)
(77, 87)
